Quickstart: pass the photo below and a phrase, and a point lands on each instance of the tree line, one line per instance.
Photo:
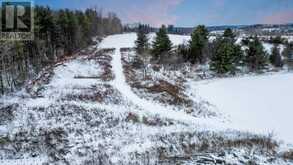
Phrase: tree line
(57, 33)
(223, 54)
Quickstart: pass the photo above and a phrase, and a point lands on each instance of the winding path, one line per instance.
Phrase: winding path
(119, 82)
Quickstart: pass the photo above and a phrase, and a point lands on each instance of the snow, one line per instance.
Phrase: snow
(119, 41)
(271, 29)
(103, 127)
(30, 161)
(217, 32)
(128, 40)
(175, 39)
(268, 47)
(266, 97)
(73, 69)
(121, 85)
(260, 104)
(64, 79)
(288, 37)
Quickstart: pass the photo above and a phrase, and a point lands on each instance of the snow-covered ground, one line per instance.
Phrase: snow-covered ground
(261, 104)
(260, 110)
(268, 47)
(128, 40)
(176, 39)
(73, 115)
(152, 108)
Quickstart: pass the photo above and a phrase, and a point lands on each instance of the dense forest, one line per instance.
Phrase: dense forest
(57, 33)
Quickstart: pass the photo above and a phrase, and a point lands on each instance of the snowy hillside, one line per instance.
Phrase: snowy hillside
(101, 107)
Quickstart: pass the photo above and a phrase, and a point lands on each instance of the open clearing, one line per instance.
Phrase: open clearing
(261, 104)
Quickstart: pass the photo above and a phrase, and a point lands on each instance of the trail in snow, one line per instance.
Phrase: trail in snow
(249, 120)
(152, 108)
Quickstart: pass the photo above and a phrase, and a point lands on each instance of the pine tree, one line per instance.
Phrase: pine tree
(227, 57)
(199, 39)
(276, 40)
(57, 33)
(288, 50)
(141, 43)
(276, 58)
(183, 50)
(229, 35)
(256, 55)
(239, 58)
(162, 43)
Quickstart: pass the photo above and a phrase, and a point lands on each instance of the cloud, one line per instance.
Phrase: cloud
(279, 17)
(154, 12)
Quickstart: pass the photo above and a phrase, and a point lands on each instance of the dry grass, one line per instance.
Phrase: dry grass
(107, 50)
(126, 49)
(103, 58)
(212, 148)
(132, 117)
(148, 120)
(216, 142)
(171, 94)
(7, 112)
(174, 91)
(102, 93)
(288, 155)
(46, 74)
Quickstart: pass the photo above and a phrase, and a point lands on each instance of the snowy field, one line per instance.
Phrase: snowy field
(261, 104)
(84, 111)
(128, 40)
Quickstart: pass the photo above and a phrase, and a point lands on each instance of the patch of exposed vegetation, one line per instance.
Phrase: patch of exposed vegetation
(288, 155)
(166, 87)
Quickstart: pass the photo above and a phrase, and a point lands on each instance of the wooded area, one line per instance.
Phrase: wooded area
(58, 33)
(223, 55)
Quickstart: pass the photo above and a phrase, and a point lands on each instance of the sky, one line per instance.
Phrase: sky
(188, 13)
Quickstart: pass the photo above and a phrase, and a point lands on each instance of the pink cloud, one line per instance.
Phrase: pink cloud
(154, 12)
(279, 18)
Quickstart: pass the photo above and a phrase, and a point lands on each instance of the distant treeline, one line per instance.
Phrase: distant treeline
(223, 54)
(58, 33)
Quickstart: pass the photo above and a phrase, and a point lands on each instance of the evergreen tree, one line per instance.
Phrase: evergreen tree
(141, 43)
(228, 56)
(199, 39)
(43, 22)
(276, 40)
(162, 43)
(183, 50)
(255, 55)
(239, 58)
(83, 28)
(229, 35)
(275, 57)
(245, 41)
(57, 33)
(288, 51)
